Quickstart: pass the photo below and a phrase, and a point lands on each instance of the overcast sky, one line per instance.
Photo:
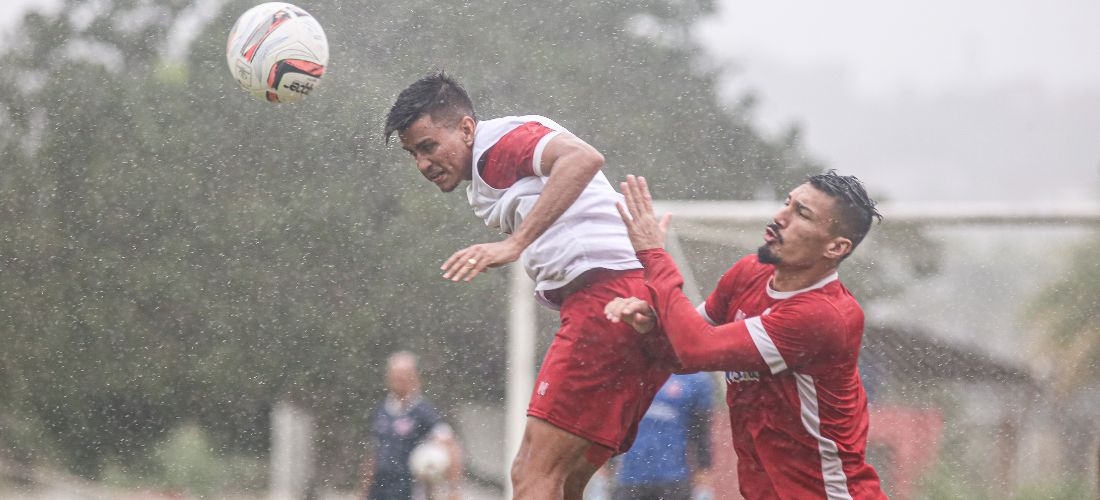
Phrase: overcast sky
(930, 99)
(936, 99)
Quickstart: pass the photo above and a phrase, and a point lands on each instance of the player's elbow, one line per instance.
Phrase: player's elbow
(590, 158)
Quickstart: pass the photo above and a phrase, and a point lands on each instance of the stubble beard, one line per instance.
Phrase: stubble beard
(766, 255)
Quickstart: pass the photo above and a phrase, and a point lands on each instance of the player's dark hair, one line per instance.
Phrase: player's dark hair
(436, 95)
(853, 209)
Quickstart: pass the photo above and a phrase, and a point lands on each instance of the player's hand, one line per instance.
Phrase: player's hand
(471, 261)
(642, 226)
(633, 311)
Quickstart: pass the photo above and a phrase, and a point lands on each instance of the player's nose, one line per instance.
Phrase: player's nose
(781, 215)
(422, 163)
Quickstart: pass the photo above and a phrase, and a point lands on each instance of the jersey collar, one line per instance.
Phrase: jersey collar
(786, 295)
(395, 408)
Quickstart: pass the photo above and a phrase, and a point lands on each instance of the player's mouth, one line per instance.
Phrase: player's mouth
(435, 176)
(771, 234)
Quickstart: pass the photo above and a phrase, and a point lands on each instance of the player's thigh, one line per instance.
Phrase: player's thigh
(596, 380)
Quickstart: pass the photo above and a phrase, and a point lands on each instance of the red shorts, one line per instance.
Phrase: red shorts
(599, 377)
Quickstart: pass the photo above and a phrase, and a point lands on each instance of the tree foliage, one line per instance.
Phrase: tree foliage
(174, 251)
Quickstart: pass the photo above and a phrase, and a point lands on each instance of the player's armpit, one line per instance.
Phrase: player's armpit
(699, 345)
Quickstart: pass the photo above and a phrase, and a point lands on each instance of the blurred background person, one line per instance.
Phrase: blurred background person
(670, 459)
(398, 425)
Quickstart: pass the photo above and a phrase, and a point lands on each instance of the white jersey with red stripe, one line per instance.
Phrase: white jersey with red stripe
(799, 426)
(507, 181)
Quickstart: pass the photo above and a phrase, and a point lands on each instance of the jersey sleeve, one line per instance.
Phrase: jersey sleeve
(516, 155)
(699, 345)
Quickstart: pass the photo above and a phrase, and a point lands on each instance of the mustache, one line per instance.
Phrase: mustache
(775, 230)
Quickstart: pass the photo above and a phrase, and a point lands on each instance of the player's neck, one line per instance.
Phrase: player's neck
(404, 401)
(790, 280)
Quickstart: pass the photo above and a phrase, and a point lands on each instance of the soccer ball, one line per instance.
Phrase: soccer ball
(277, 52)
(429, 461)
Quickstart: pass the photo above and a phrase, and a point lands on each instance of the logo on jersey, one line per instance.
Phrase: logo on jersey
(402, 426)
(738, 377)
(542, 388)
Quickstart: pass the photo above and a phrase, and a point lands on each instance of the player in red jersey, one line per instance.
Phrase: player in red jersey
(542, 186)
(787, 333)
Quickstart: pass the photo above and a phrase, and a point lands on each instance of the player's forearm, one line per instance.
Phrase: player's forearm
(698, 345)
(568, 178)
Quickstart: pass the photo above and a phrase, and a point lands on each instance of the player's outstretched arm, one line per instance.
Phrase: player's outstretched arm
(632, 311)
(570, 165)
(699, 345)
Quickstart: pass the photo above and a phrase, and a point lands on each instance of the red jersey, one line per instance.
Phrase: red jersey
(797, 406)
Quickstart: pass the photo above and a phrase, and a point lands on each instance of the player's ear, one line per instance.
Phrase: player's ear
(467, 126)
(838, 248)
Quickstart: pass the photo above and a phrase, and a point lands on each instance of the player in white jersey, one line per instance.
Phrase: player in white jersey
(542, 186)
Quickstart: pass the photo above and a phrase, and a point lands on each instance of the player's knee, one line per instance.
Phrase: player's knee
(552, 471)
(517, 470)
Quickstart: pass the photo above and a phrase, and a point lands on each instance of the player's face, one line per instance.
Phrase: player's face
(402, 378)
(799, 235)
(443, 154)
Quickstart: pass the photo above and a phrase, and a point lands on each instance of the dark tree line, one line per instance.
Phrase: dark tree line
(172, 250)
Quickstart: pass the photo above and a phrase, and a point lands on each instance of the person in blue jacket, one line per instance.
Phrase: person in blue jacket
(657, 467)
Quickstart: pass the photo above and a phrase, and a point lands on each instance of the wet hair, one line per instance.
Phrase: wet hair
(436, 95)
(852, 208)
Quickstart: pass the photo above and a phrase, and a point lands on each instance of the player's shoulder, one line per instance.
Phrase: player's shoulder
(490, 132)
(751, 263)
(829, 305)
(746, 268)
(505, 124)
(424, 409)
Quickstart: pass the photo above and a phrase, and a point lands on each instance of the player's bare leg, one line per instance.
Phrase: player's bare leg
(547, 457)
(578, 479)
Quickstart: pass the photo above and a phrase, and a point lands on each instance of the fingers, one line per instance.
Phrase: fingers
(633, 197)
(646, 198)
(666, 220)
(613, 309)
(636, 193)
(620, 309)
(463, 263)
(627, 219)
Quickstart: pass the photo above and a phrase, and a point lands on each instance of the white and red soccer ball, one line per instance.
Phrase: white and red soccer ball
(277, 52)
